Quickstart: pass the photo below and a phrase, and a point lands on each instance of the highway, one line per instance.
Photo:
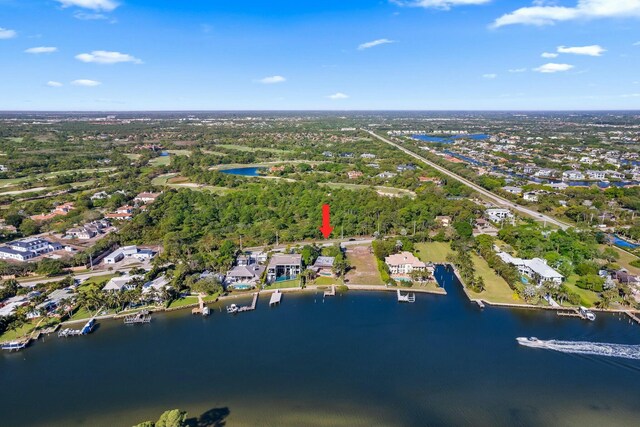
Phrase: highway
(498, 200)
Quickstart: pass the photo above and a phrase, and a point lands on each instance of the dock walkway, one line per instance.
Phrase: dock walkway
(331, 292)
(408, 297)
(276, 297)
(250, 307)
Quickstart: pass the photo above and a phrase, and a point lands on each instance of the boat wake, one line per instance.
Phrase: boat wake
(626, 351)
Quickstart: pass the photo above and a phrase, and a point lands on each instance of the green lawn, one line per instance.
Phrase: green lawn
(496, 288)
(191, 300)
(14, 334)
(99, 279)
(34, 177)
(435, 252)
(625, 259)
(132, 156)
(160, 161)
(295, 283)
(247, 148)
(587, 298)
(326, 281)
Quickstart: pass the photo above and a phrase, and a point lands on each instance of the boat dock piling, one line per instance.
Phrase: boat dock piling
(138, 318)
(331, 292)
(480, 303)
(202, 309)
(250, 307)
(276, 297)
(633, 317)
(409, 297)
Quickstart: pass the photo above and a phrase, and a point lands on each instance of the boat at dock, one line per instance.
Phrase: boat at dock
(15, 345)
(232, 309)
(86, 329)
(587, 314)
(138, 318)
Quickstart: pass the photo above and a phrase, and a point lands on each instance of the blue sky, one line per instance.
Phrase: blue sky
(324, 54)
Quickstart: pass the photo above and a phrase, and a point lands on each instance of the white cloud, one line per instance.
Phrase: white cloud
(489, 76)
(553, 68)
(7, 34)
(631, 95)
(83, 16)
(86, 83)
(106, 57)
(636, 44)
(106, 5)
(374, 43)
(593, 50)
(549, 55)
(338, 95)
(517, 70)
(272, 80)
(52, 83)
(41, 49)
(438, 4)
(541, 14)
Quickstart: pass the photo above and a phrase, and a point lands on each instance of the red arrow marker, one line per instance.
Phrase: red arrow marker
(326, 228)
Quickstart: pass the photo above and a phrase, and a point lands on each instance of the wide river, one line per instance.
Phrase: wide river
(359, 359)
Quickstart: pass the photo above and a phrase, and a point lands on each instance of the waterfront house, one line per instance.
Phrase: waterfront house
(324, 265)
(572, 175)
(404, 263)
(155, 286)
(247, 273)
(536, 268)
(596, 175)
(284, 267)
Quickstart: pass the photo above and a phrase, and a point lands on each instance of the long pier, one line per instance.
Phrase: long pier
(250, 307)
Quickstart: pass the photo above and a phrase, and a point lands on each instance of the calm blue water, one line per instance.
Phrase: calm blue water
(358, 359)
(242, 171)
(450, 139)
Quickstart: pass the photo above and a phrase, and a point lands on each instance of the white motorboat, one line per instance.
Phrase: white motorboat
(587, 314)
(530, 342)
(232, 309)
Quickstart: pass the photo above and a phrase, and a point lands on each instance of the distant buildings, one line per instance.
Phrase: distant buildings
(129, 251)
(354, 174)
(26, 249)
(512, 190)
(60, 210)
(123, 213)
(146, 198)
(499, 214)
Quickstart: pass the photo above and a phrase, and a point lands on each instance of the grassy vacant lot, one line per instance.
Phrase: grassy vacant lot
(160, 161)
(364, 269)
(435, 252)
(496, 288)
(10, 181)
(191, 300)
(380, 189)
(247, 148)
(175, 181)
(587, 298)
(625, 259)
(326, 281)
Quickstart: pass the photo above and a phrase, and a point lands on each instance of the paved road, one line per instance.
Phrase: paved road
(500, 201)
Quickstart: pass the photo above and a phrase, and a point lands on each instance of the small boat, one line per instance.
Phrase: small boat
(206, 311)
(587, 314)
(88, 327)
(232, 309)
(14, 345)
(530, 342)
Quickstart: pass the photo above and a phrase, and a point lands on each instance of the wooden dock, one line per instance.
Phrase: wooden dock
(331, 292)
(201, 309)
(138, 318)
(250, 307)
(408, 297)
(276, 297)
(573, 313)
